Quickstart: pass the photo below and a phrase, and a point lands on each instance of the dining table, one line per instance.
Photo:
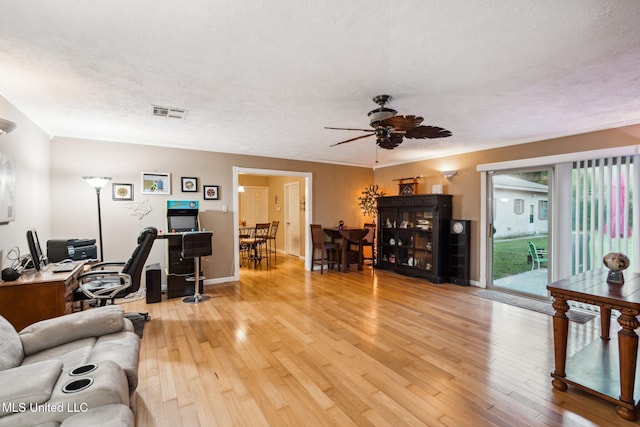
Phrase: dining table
(347, 238)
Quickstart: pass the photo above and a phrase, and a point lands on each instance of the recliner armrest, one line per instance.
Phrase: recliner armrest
(27, 384)
(71, 327)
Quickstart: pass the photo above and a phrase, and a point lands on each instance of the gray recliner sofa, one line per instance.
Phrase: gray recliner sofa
(77, 369)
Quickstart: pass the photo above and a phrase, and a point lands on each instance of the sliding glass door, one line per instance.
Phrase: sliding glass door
(519, 213)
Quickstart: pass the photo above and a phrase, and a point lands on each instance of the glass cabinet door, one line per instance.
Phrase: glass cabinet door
(388, 235)
(423, 241)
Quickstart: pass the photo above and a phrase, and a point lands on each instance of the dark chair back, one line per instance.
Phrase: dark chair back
(273, 230)
(371, 233)
(317, 236)
(262, 230)
(196, 244)
(135, 264)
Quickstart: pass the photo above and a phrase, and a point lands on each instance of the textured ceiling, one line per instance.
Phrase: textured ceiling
(265, 77)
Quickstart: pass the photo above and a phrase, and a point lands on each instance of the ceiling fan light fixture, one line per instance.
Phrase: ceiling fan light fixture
(380, 114)
(6, 126)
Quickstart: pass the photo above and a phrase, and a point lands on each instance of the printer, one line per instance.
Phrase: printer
(75, 249)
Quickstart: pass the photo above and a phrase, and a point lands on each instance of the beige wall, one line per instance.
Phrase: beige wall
(465, 186)
(52, 197)
(28, 149)
(74, 205)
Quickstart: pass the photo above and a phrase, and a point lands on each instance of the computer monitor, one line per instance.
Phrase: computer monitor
(181, 223)
(37, 256)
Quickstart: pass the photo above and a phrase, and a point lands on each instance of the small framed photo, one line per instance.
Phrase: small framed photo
(211, 192)
(156, 183)
(122, 191)
(189, 185)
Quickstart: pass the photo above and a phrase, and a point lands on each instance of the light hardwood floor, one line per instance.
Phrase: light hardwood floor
(287, 347)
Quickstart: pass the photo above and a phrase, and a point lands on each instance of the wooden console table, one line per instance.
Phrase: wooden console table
(597, 369)
(37, 296)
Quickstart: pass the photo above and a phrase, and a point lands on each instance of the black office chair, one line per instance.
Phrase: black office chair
(102, 284)
(194, 245)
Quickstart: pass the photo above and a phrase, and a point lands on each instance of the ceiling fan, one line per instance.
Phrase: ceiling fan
(390, 129)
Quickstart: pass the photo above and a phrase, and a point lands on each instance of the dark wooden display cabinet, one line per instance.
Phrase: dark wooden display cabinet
(413, 235)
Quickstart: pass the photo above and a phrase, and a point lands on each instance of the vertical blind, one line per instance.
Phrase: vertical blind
(603, 217)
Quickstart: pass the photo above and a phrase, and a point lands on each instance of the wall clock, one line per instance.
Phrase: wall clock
(457, 227)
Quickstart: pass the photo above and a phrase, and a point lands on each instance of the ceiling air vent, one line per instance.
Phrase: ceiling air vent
(176, 113)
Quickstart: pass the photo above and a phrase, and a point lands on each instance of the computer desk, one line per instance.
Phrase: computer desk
(37, 296)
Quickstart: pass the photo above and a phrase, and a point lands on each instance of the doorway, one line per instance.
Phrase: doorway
(304, 208)
(518, 244)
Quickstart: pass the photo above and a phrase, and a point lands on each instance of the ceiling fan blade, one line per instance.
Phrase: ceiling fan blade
(363, 130)
(352, 139)
(428, 132)
(389, 143)
(402, 122)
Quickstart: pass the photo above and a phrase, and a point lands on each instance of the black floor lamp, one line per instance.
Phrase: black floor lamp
(98, 182)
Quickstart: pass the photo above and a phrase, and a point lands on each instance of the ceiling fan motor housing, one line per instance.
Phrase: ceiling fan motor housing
(379, 114)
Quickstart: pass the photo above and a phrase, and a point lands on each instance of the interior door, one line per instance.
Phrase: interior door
(519, 209)
(292, 218)
(254, 205)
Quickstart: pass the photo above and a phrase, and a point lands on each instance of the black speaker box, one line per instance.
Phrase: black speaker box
(154, 283)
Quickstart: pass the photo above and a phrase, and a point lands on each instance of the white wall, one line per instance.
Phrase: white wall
(28, 147)
(507, 223)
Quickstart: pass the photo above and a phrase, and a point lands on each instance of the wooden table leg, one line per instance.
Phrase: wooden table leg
(628, 353)
(605, 322)
(560, 334)
(345, 249)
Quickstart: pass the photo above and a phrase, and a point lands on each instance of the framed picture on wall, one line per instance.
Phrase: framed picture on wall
(189, 185)
(211, 192)
(156, 183)
(122, 191)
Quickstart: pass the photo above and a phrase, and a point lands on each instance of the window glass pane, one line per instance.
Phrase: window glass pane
(518, 206)
(543, 209)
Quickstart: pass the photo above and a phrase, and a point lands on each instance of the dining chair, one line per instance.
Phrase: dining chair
(244, 233)
(256, 244)
(271, 240)
(369, 243)
(329, 252)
